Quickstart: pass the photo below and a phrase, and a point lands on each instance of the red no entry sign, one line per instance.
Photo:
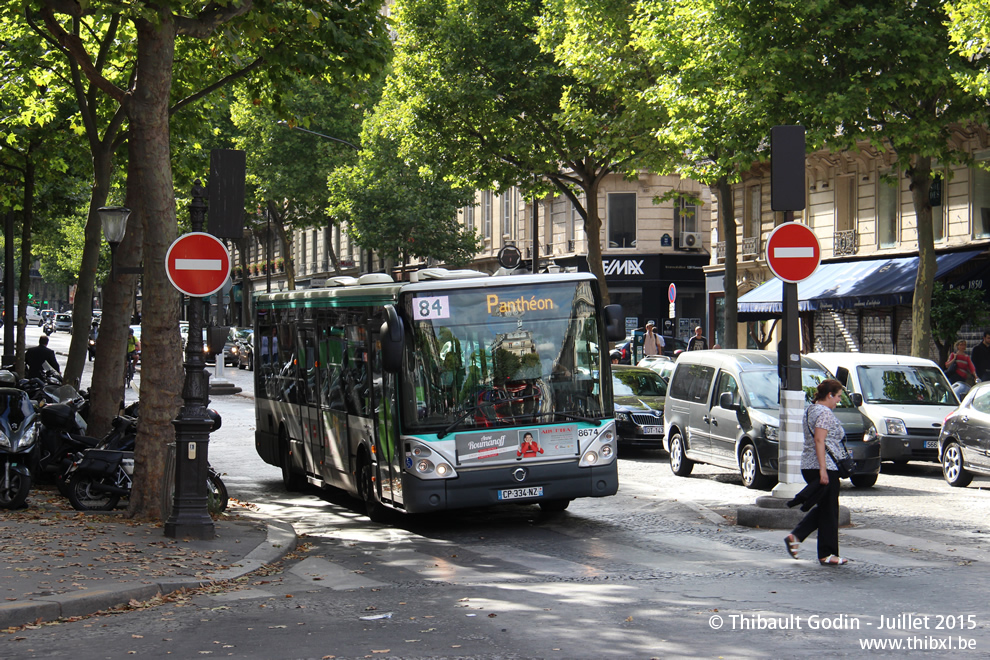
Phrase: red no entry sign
(197, 264)
(793, 252)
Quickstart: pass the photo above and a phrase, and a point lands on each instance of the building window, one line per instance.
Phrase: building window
(469, 217)
(573, 217)
(941, 212)
(508, 215)
(981, 200)
(486, 214)
(845, 203)
(686, 215)
(888, 203)
(622, 220)
(753, 212)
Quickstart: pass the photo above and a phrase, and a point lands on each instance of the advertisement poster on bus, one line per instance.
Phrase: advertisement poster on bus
(497, 446)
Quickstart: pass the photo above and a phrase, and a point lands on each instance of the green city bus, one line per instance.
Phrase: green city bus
(455, 389)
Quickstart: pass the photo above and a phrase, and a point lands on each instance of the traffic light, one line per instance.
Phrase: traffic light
(45, 303)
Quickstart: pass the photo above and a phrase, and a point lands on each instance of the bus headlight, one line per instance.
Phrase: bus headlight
(600, 450)
(426, 462)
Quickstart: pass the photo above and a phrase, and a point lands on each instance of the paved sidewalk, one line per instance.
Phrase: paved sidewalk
(59, 562)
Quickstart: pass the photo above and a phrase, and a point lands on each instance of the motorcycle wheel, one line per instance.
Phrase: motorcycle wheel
(84, 497)
(14, 489)
(216, 493)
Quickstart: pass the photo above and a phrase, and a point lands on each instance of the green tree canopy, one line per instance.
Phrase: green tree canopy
(397, 208)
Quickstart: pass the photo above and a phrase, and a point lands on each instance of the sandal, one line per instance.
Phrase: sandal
(833, 560)
(792, 545)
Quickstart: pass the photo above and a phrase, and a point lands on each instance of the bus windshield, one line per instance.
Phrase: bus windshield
(502, 356)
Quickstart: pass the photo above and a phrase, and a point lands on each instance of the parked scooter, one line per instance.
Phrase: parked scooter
(98, 478)
(18, 437)
(62, 438)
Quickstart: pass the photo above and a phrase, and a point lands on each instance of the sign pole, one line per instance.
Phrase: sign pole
(790, 481)
(190, 516)
(787, 188)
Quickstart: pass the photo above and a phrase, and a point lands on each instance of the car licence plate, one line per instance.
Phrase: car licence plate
(520, 493)
(652, 430)
(931, 444)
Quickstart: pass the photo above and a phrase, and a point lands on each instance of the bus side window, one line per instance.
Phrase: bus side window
(356, 372)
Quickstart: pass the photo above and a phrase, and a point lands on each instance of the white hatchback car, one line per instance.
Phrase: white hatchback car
(905, 398)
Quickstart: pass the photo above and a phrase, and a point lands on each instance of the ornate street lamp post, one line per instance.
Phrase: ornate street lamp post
(190, 515)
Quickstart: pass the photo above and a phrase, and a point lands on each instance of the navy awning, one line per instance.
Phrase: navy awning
(850, 285)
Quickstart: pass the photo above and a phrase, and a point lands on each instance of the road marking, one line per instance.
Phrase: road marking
(198, 264)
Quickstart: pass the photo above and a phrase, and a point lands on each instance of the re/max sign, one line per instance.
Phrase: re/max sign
(520, 304)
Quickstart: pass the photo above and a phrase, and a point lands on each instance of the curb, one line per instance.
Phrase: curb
(280, 541)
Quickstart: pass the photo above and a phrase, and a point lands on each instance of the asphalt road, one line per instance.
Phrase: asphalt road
(658, 570)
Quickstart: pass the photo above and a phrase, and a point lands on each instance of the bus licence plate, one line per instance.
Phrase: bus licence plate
(931, 444)
(518, 493)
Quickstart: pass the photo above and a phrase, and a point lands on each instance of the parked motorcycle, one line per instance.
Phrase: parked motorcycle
(62, 438)
(18, 437)
(98, 478)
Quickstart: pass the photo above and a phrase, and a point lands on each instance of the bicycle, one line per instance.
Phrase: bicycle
(130, 367)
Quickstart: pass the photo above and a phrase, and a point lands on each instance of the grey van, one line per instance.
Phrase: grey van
(739, 432)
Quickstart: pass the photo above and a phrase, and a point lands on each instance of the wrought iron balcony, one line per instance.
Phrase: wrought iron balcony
(845, 242)
(750, 248)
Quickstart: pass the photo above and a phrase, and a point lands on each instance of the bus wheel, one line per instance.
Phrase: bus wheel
(375, 510)
(290, 479)
(554, 506)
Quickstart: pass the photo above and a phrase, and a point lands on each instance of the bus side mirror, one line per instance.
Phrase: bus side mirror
(614, 330)
(393, 338)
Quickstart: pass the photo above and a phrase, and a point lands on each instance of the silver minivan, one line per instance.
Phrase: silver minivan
(723, 409)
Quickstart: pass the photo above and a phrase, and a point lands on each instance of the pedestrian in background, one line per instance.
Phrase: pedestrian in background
(652, 342)
(697, 343)
(959, 367)
(981, 357)
(823, 436)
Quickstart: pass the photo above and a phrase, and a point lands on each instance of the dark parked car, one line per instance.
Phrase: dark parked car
(245, 351)
(964, 441)
(638, 399)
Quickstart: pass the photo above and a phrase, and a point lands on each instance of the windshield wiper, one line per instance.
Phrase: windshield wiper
(575, 416)
(457, 422)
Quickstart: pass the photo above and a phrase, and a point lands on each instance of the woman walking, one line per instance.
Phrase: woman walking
(822, 445)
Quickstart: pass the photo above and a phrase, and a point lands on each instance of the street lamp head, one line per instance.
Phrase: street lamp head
(114, 220)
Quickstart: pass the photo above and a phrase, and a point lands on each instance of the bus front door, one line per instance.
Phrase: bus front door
(387, 442)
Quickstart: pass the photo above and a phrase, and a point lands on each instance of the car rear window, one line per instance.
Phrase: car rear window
(691, 382)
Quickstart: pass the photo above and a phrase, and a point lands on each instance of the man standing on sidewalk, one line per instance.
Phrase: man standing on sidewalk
(697, 343)
(652, 342)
